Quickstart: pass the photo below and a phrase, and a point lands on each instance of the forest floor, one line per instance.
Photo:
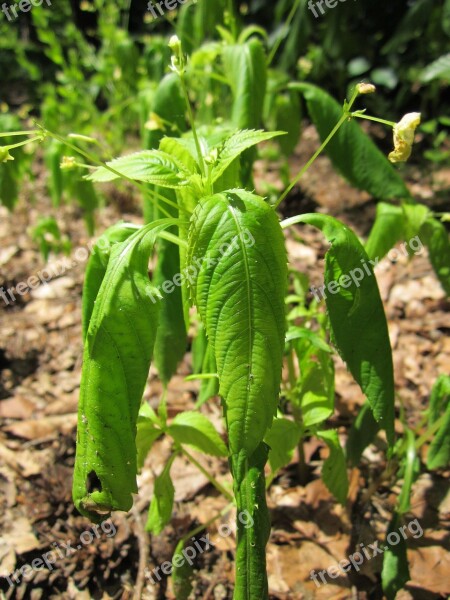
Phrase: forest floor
(40, 364)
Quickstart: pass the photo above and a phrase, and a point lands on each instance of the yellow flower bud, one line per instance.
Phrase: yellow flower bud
(366, 88)
(404, 137)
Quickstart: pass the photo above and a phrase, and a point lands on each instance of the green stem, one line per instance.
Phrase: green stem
(219, 487)
(232, 19)
(330, 136)
(285, 27)
(192, 123)
(355, 115)
(11, 133)
(430, 432)
(33, 139)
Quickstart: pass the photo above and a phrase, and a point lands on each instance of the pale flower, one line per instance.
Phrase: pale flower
(404, 137)
(366, 88)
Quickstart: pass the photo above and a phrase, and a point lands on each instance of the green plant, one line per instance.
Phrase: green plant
(220, 248)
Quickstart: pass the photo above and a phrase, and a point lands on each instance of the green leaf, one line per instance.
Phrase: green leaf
(334, 471)
(97, 265)
(440, 396)
(362, 433)
(147, 434)
(239, 286)
(245, 69)
(253, 525)
(282, 438)
(357, 316)
(315, 387)
(439, 451)
(161, 506)
(351, 151)
(435, 237)
(209, 387)
(116, 361)
(288, 117)
(298, 333)
(169, 104)
(171, 338)
(236, 144)
(150, 166)
(386, 231)
(410, 468)
(415, 215)
(438, 69)
(395, 571)
(194, 429)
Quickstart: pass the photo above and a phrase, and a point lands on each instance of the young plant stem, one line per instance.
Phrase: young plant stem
(219, 487)
(233, 23)
(346, 115)
(192, 123)
(302, 468)
(357, 115)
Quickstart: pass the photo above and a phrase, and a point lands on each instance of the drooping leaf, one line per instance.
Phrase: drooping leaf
(357, 317)
(334, 471)
(161, 505)
(395, 571)
(239, 291)
(386, 231)
(352, 152)
(435, 237)
(97, 265)
(117, 354)
(194, 429)
(149, 166)
(282, 439)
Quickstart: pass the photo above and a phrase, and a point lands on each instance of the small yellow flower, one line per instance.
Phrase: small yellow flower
(67, 163)
(366, 88)
(404, 137)
(5, 155)
(154, 123)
